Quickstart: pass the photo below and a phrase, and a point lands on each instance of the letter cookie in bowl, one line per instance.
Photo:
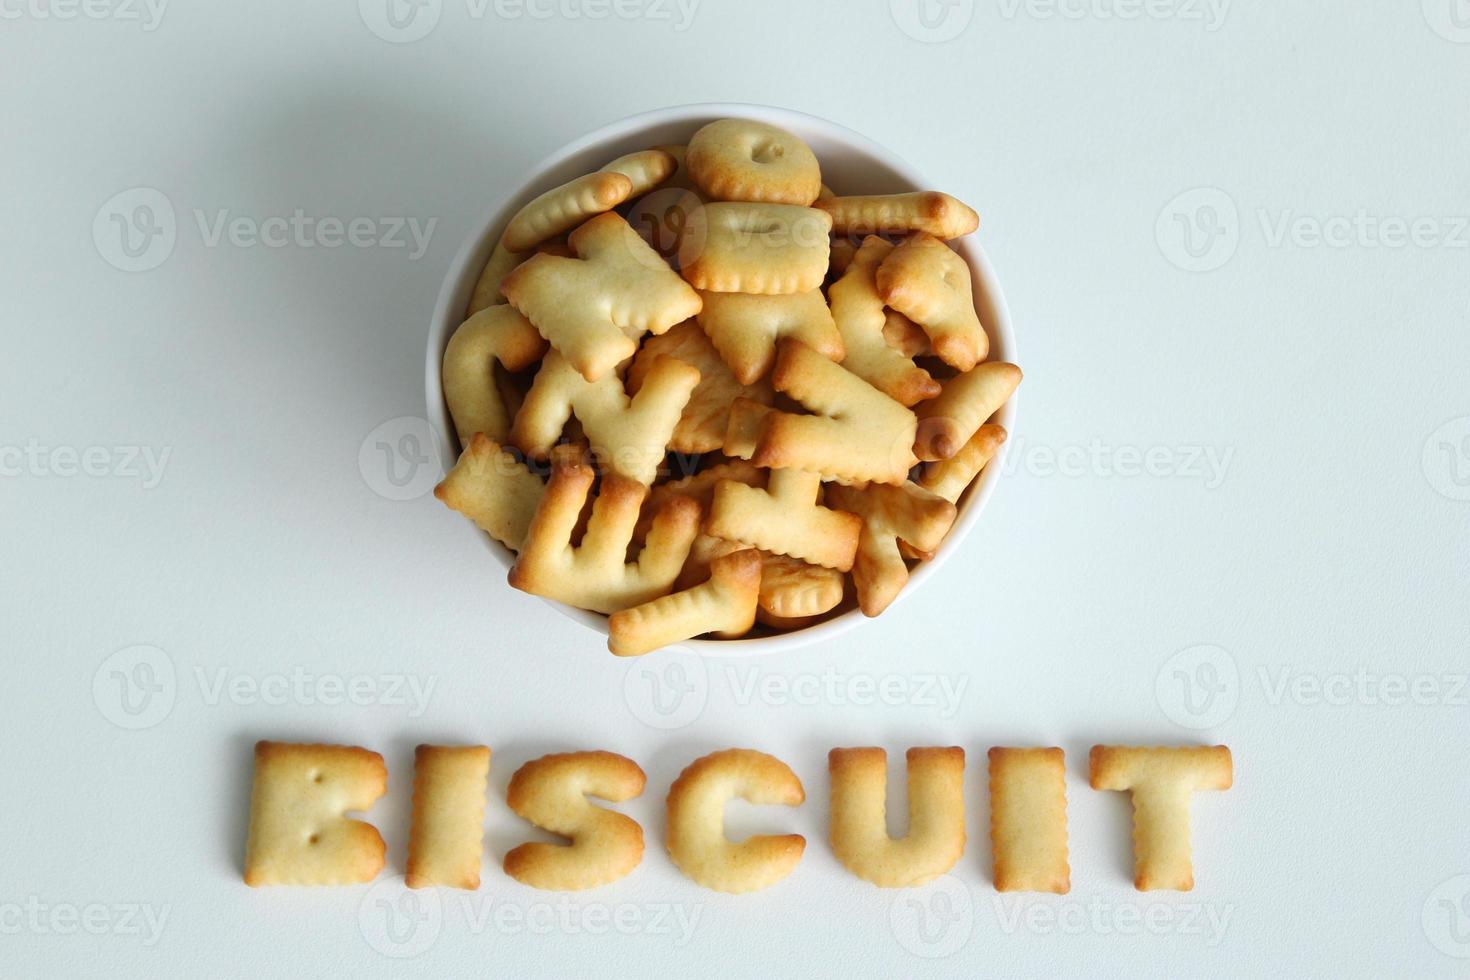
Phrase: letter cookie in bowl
(765, 401)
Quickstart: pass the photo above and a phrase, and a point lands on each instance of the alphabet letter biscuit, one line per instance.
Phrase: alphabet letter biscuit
(1028, 820)
(645, 169)
(446, 839)
(595, 575)
(745, 328)
(724, 605)
(696, 821)
(936, 836)
(551, 792)
(628, 435)
(857, 310)
(494, 489)
(859, 433)
(948, 422)
(745, 160)
(786, 519)
(890, 514)
(593, 309)
(793, 589)
(1161, 781)
(755, 248)
(899, 214)
(950, 477)
(926, 281)
(564, 208)
(497, 335)
(298, 833)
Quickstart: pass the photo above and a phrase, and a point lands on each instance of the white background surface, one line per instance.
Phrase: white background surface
(1331, 383)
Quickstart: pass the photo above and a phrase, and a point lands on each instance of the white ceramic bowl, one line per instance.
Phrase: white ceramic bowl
(851, 164)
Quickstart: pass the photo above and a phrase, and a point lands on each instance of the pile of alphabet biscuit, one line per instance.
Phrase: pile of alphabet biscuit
(701, 393)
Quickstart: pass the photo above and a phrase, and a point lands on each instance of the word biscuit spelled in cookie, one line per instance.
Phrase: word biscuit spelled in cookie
(595, 575)
(928, 283)
(857, 310)
(745, 160)
(1028, 820)
(594, 308)
(755, 248)
(446, 839)
(551, 792)
(723, 605)
(859, 831)
(890, 514)
(696, 821)
(628, 435)
(298, 832)
(1161, 781)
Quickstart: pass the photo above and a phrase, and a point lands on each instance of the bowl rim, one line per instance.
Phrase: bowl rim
(468, 261)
